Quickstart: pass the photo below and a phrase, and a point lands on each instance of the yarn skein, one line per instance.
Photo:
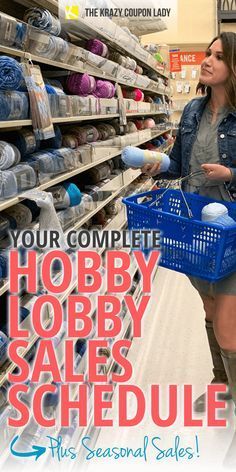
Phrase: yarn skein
(97, 47)
(136, 157)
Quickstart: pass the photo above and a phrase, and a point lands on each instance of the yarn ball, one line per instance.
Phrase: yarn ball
(81, 84)
(70, 140)
(104, 89)
(11, 75)
(135, 94)
(131, 127)
(97, 47)
(85, 134)
(55, 142)
(149, 123)
(139, 124)
(139, 70)
(105, 131)
(136, 157)
(212, 211)
(225, 220)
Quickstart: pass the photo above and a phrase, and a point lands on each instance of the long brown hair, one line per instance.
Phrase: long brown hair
(228, 40)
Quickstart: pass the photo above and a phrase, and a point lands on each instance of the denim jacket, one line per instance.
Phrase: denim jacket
(188, 128)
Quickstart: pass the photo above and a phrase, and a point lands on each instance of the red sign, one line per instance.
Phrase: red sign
(175, 65)
(191, 58)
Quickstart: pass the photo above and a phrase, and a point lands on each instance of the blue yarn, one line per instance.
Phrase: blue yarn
(14, 105)
(43, 19)
(11, 76)
(50, 90)
(55, 142)
(74, 193)
(136, 157)
(3, 265)
(21, 31)
(225, 220)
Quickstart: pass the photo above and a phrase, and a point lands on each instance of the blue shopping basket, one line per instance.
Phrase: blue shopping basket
(188, 245)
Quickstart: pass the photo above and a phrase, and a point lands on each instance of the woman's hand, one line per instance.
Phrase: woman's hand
(217, 172)
(151, 169)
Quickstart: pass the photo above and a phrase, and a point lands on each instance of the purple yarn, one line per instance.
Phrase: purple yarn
(81, 84)
(104, 89)
(97, 47)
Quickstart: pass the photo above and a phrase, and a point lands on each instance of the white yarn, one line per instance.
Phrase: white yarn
(212, 211)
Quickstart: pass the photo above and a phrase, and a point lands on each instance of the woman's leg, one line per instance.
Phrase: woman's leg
(225, 331)
(219, 373)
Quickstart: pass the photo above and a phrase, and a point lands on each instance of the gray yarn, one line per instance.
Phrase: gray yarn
(9, 155)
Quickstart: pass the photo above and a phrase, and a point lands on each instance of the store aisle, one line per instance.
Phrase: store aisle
(173, 350)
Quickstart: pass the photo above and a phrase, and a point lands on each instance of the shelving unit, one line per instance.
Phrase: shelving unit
(121, 183)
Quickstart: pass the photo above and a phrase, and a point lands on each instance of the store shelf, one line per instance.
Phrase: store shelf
(61, 177)
(81, 68)
(84, 28)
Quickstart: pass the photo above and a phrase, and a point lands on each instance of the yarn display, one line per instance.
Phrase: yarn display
(11, 75)
(136, 157)
(135, 94)
(97, 47)
(43, 19)
(65, 195)
(104, 89)
(19, 216)
(12, 32)
(53, 48)
(13, 105)
(9, 155)
(24, 140)
(81, 84)
(105, 131)
(55, 142)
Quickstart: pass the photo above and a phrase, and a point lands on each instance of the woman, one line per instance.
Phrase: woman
(207, 141)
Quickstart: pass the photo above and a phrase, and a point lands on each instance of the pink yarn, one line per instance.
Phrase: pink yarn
(135, 94)
(104, 89)
(81, 84)
(149, 123)
(97, 47)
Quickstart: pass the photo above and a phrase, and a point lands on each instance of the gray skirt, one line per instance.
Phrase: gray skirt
(225, 286)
